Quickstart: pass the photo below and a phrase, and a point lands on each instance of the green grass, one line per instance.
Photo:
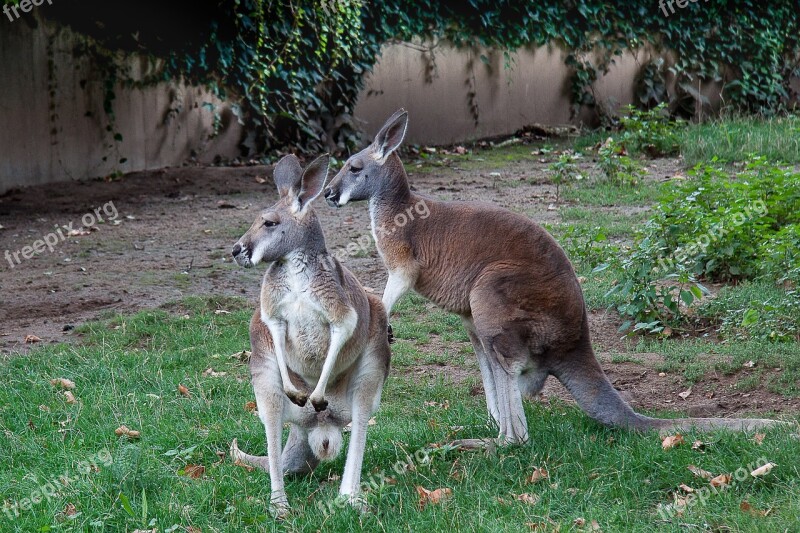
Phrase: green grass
(600, 193)
(733, 139)
(127, 372)
(614, 223)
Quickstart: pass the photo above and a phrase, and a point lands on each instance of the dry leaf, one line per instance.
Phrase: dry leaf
(251, 407)
(192, 529)
(432, 496)
(685, 394)
(221, 312)
(531, 499)
(69, 510)
(745, 507)
(80, 232)
(183, 390)
(538, 475)
(721, 480)
(30, 339)
(699, 472)
(445, 405)
(127, 432)
(698, 445)
(672, 441)
(261, 180)
(580, 522)
(213, 373)
(194, 471)
(64, 383)
(70, 397)
(224, 204)
(763, 470)
(749, 364)
(595, 526)
(685, 488)
(759, 438)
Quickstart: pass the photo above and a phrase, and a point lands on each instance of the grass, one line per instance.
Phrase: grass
(127, 372)
(733, 139)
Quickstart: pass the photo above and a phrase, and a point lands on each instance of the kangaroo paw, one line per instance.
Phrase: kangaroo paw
(297, 397)
(319, 405)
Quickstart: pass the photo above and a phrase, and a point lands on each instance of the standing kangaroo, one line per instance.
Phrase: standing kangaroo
(507, 278)
(316, 326)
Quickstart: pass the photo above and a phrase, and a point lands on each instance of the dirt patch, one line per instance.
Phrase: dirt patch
(172, 237)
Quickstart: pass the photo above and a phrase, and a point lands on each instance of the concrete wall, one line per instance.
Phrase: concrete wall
(534, 90)
(52, 123)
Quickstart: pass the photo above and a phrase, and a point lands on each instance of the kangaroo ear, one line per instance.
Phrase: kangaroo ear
(391, 136)
(314, 178)
(287, 175)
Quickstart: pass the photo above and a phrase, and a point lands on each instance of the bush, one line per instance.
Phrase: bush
(713, 227)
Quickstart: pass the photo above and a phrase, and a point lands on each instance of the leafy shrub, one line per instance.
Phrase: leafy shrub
(617, 166)
(652, 132)
(713, 227)
(587, 248)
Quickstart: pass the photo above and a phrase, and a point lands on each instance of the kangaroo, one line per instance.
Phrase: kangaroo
(511, 283)
(316, 327)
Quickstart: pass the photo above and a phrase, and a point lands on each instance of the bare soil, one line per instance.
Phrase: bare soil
(172, 239)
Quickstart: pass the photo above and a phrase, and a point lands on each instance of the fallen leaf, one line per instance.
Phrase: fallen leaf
(698, 445)
(749, 364)
(661, 374)
(432, 496)
(80, 232)
(759, 438)
(530, 499)
(580, 522)
(221, 312)
(214, 374)
(745, 507)
(721, 480)
(70, 397)
(70, 510)
(259, 179)
(685, 488)
(224, 204)
(64, 383)
(763, 470)
(595, 526)
(537, 475)
(194, 471)
(672, 441)
(30, 339)
(251, 407)
(192, 529)
(127, 432)
(183, 390)
(699, 472)
(685, 394)
(445, 405)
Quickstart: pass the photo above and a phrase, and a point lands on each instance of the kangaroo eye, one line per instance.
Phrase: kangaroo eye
(356, 167)
(269, 223)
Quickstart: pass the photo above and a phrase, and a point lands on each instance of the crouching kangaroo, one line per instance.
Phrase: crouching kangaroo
(316, 327)
(507, 278)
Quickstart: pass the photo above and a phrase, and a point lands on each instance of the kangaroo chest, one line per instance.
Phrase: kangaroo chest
(307, 330)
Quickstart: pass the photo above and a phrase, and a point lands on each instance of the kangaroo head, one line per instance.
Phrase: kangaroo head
(369, 171)
(290, 224)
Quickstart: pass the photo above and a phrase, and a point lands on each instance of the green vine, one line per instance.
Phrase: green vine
(298, 66)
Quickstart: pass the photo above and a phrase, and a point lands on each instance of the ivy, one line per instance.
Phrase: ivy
(298, 66)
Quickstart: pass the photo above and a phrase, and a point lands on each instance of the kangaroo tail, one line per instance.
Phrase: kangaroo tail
(583, 376)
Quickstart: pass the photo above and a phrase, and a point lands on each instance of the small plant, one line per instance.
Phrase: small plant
(588, 248)
(618, 168)
(564, 172)
(652, 132)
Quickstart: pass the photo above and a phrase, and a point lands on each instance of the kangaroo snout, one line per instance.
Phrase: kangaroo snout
(332, 197)
(241, 255)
